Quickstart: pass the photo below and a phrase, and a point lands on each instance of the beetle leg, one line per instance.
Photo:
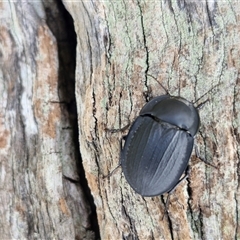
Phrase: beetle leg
(119, 163)
(123, 138)
(173, 189)
(119, 129)
(113, 171)
(202, 159)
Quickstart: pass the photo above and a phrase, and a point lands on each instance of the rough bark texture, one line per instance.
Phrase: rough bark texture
(189, 46)
(41, 194)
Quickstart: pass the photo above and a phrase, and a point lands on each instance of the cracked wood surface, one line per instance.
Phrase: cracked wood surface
(190, 47)
(37, 150)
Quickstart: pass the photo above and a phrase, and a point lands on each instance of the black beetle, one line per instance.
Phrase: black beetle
(159, 144)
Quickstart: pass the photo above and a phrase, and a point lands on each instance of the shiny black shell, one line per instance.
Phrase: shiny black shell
(159, 144)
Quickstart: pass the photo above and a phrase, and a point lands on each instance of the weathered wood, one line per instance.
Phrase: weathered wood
(190, 47)
(41, 196)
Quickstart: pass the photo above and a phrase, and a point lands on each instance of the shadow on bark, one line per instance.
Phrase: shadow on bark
(61, 24)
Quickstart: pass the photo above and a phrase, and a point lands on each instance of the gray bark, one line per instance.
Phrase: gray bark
(41, 192)
(188, 46)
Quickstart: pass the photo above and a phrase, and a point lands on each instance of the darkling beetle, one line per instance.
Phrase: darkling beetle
(159, 144)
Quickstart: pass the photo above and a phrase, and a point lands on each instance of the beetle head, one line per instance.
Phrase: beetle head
(174, 110)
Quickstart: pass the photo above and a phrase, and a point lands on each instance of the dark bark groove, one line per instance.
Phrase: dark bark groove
(61, 24)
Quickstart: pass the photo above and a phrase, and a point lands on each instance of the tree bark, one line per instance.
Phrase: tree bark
(41, 192)
(190, 47)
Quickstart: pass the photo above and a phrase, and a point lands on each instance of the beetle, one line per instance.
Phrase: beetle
(159, 145)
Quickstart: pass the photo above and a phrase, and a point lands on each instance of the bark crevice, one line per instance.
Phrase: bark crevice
(61, 24)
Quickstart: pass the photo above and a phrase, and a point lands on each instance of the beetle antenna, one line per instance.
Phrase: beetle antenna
(159, 83)
(201, 104)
